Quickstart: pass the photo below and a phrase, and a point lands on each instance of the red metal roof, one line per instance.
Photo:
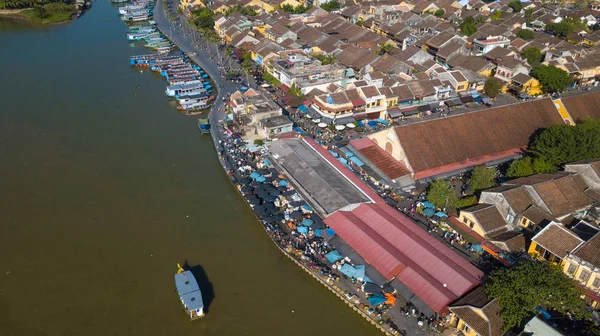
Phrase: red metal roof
(397, 247)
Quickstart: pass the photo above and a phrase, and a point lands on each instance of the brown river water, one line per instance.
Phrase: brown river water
(104, 187)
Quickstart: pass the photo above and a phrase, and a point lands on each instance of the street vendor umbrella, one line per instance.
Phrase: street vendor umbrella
(246, 189)
(289, 193)
(441, 214)
(245, 180)
(274, 192)
(302, 229)
(254, 175)
(316, 121)
(283, 183)
(270, 198)
(261, 179)
(350, 125)
(252, 199)
(340, 127)
(264, 172)
(308, 116)
(428, 204)
(428, 212)
(322, 125)
(296, 214)
(307, 222)
(282, 188)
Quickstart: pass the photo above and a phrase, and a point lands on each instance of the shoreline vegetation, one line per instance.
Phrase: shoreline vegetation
(40, 11)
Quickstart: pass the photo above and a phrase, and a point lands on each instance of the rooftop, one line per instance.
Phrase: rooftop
(557, 239)
(323, 185)
(276, 121)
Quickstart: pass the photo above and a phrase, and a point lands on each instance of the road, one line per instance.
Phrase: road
(185, 43)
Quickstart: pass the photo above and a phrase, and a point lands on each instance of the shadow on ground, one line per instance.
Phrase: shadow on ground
(206, 287)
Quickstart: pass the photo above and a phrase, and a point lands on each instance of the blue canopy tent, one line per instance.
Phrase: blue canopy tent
(302, 229)
(254, 175)
(333, 256)
(283, 183)
(333, 153)
(428, 204)
(360, 123)
(381, 121)
(267, 162)
(376, 300)
(307, 222)
(348, 270)
(360, 272)
(441, 214)
(318, 233)
(261, 179)
(303, 109)
(299, 130)
(428, 212)
(372, 123)
(307, 207)
(356, 161)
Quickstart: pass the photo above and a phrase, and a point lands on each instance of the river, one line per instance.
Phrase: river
(104, 187)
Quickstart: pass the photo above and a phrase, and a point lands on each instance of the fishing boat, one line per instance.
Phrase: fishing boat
(189, 293)
(204, 126)
(188, 88)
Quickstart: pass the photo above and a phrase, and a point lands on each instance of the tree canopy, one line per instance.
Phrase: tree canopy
(439, 13)
(565, 26)
(516, 5)
(482, 178)
(331, 5)
(441, 194)
(553, 79)
(203, 18)
(325, 59)
(533, 55)
(300, 9)
(468, 26)
(492, 87)
(529, 284)
(526, 34)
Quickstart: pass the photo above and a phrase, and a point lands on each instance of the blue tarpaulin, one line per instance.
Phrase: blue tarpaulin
(302, 229)
(283, 183)
(342, 160)
(318, 233)
(330, 232)
(261, 179)
(303, 108)
(377, 299)
(356, 161)
(348, 270)
(360, 271)
(360, 123)
(428, 204)
(299, 130)
(428, 212)
(477, 248)
(307, 207)
(307, 222)
(385, 122)
(441, 214)
(254, 175)
(267, 162)
(372, 123)
(333, 153)
(333, 256)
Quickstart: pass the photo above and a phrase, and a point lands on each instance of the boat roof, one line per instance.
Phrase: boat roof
(188, 290)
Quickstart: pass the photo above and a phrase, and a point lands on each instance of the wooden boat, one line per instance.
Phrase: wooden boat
(189, 293)
(204, 125)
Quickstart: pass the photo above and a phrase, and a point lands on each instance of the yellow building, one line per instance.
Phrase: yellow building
(526, 84)
(583, 265)
(475, 314)
(554, 243)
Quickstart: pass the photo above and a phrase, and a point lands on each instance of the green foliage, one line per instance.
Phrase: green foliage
(559, 144)
(203, 18)
(441, 195)
(385, 49)
(528, 14)
(269, 78)
(324, 59)
(516, 5)
(553, 79)
(526, 34)
(492, 87)
(300, 9)
(20, 4)
(258, 142)
(529, 284)
(520, 167)
(497, 15)
(51, 12)
(439, 13)
(246, 11)
(466, 202)
(533, 55)
(331, 5)
(468, 26)
(482, 178)
(566, 26)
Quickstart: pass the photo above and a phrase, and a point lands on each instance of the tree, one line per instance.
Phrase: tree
(482, 178)
(331, 5)
(385, 49)
(440, 193)
(439, 13)
(516, 5)
(520, 167)
(582, 4)
(202, 18)
(468, 26)
(533, 55)
(492, 87)
(526, 34)
(566, 26)
(553, 79)
(529, 284)
(246, 67)
(466, 202)
(324, 59)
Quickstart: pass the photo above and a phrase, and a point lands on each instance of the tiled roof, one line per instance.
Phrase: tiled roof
(458, 139)
(488, 216)
(583, 107)
(536, 214)
(370, 91)
(557, 239)
(490, 324)
(380, 158)
(441, 38)
(589, 251)
(514, 240)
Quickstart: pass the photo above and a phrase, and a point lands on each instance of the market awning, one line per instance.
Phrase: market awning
(394, 113)
(423, 108)
(410, 111)
(344, 120)
(313, 113)
(303, 108)
(453, 102)
(358, 102)
(466, 99)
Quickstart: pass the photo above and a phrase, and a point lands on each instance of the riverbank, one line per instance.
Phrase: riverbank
(46, 14)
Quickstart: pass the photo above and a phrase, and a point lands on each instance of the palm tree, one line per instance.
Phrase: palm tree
(246, 67)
